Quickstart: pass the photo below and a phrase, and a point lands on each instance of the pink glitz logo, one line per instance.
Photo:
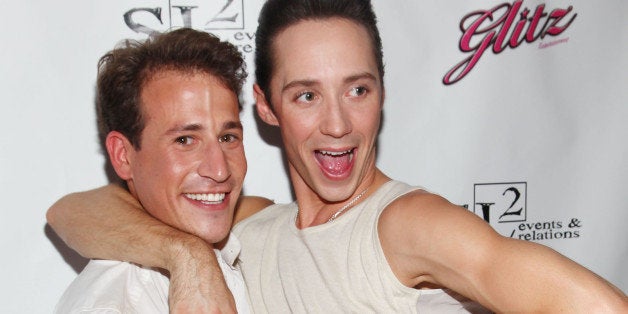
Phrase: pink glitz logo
(483, 28)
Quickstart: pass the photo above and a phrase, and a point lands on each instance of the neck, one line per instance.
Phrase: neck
(315, 210)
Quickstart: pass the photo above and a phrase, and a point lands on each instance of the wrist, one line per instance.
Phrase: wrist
(187, 253)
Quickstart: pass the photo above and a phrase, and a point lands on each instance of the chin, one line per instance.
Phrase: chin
(215, 236)
(339, 188)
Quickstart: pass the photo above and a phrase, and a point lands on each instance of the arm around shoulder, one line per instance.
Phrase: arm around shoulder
(74, 216)
(248, 206)
(109, 223)
(429, 241)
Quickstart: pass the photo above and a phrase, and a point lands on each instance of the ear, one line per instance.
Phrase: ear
(263, 107)
(120, 152)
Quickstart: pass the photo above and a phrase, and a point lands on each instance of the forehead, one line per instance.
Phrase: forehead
(185, 97)
(323, 47)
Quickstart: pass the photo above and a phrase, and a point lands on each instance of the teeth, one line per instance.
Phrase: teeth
(324, 152)
(213, 198)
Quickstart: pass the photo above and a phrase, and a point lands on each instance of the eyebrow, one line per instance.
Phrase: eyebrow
(232, 125)
(304, 83)
(359, 76)
(197, 127)
(185, 128)
(349, 79)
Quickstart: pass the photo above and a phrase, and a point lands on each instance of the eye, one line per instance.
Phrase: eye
(358, 91)
(228, 138)
(305, 97)
(184, 140)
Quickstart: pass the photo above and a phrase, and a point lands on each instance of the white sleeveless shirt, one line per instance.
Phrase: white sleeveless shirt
(336, 267)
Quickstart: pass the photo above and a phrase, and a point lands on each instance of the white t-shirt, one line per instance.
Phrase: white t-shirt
(106, 286)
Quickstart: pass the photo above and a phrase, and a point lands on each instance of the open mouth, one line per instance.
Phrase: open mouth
(207, 198)
(335, 163)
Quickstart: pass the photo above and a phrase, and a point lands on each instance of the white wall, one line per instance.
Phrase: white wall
(550, 122)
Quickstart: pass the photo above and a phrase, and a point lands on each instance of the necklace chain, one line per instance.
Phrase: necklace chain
(341, 210)
(355, 199)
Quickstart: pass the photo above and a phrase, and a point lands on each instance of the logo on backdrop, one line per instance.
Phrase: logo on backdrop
(507, 26)
(504, 206)
(224, 18)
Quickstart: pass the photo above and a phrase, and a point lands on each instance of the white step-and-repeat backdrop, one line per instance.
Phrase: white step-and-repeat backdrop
(517, 110)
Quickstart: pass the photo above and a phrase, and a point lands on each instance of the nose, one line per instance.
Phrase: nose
(336, 121)
(214, 163)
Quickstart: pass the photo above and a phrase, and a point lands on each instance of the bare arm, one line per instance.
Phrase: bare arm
(109, 223)
(248, 206)
(427, 240)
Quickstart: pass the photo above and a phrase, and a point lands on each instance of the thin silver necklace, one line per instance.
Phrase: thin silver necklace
(339, 212)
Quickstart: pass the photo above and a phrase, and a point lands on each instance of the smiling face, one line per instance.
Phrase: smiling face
(191, 166)
(327, 99)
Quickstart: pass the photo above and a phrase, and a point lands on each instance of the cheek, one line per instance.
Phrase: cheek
(293, 138)
(174, 166)
(300, 127)
(369, 121)
(237, 161)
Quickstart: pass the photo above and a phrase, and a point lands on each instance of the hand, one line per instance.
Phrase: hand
(196, 282)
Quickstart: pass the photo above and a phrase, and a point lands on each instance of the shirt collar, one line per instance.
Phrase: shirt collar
(231, 250)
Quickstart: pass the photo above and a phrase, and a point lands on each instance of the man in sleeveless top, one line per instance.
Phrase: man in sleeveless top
(356, 240)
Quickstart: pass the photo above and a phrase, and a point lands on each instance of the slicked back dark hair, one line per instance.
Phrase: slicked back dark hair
(124, 71)
(277, 15)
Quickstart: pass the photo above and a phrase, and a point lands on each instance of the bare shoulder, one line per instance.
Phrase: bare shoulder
(424, 208)
(428, 218)
(248, 206)
(423, 236)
